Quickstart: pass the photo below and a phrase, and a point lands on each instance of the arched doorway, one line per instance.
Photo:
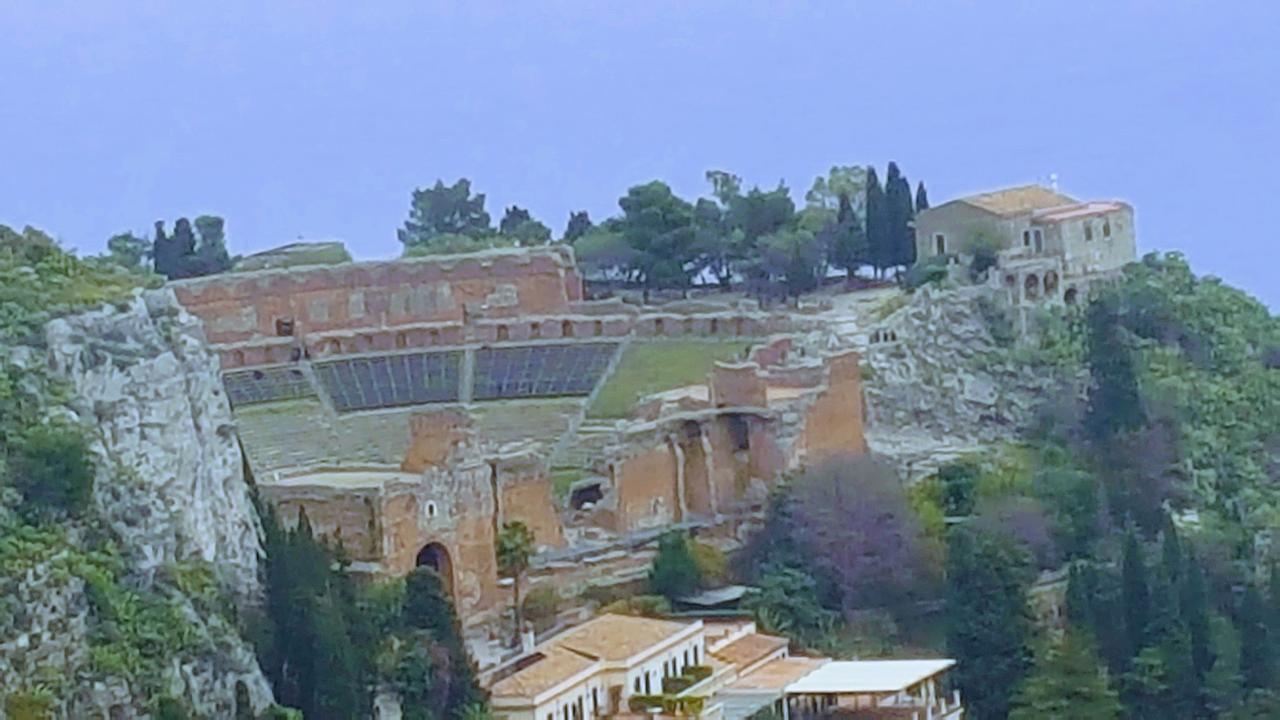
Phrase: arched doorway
(436, 556)
(1031, 287)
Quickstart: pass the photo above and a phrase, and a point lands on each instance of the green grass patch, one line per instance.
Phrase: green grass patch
(562, 481)
(647, 368)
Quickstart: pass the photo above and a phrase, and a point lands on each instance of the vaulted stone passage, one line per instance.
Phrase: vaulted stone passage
(436, 556)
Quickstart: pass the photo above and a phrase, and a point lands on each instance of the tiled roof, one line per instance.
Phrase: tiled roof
(618, 637)
(778, 674)
(1077, 210)
(1018, 200)
(749, 649)
(556, 666)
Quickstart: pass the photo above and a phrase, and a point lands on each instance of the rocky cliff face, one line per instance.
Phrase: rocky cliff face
(940, 386)
(170, 479)
(170, 486)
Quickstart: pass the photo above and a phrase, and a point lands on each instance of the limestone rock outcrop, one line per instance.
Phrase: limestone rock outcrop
(170, 476)
(940, 386)
(169, 485)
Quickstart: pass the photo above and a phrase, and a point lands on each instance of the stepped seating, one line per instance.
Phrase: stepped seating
(386, 381)
(247, 387)
(540, 371)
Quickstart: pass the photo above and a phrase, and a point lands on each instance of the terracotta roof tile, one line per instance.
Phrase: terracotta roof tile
(1018, 200)
(747, 650)
(556, 666)
(618, 637)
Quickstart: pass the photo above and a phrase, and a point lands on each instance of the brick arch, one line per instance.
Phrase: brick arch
(436, 556)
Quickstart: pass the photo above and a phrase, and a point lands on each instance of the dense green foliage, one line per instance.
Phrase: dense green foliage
(192, 250)
(1068, 683)
(989, 627)
(326, 642)
(675, 571)
(660, 241)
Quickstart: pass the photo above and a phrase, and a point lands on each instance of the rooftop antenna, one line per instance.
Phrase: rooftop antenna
(1053, 182)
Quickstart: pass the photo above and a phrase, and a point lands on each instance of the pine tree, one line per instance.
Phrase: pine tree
(1067, 684)
(1257, 650)
(922, 198)
(988, 623)
(877, 223)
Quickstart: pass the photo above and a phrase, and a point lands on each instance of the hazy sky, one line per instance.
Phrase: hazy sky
(317, 119)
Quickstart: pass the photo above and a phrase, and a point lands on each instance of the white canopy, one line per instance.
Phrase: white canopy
(850, 677)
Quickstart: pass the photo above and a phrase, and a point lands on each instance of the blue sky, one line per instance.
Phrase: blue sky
(317, 119)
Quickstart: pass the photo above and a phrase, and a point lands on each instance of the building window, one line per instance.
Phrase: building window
(1039, 240)
(284, 327)
(1026, 238)
(695, 654)
(431, 509)
(940, 244)
(1106, 228)
(637, 684)
(1088, 231)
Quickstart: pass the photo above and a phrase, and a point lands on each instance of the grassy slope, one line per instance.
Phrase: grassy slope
(648, 368)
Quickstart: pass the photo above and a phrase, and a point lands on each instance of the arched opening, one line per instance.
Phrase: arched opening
(401, 341)
(1070, 296)
(686, 327)
(737, 326)
(244, 706)
(586, 494)
(284, 327)
(436, 556)
(1050, 283)
(434, 336)
(535, 331)
(597, 328)
(566, 328)
(1031, 287)
(715, 326)
(503, 333)
(237, 358)
(658, 328)
(1010, 280)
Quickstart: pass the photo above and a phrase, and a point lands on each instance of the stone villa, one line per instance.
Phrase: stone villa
(1048, 243)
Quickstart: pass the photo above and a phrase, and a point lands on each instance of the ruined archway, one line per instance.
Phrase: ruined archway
(436, 556)
(1070, 296)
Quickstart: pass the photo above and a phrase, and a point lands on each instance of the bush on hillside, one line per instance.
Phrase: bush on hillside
(52, 471)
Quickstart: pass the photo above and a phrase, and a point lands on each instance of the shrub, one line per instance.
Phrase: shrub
(640, 605)
(51, 470)
(698, 672)
(712, 565)
(985, 257)
(933, 270)
(541, 606)
(28, 706)
(676, 685)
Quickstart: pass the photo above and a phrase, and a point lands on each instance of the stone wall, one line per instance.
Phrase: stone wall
(241, 307)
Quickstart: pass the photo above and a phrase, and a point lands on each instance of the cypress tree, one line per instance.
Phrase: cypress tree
(1195, 617)
(900, 242)
(1257, 651)
(988, 624)
(922, 198)
(1135, 594)
(1115, 404)
(877, 223)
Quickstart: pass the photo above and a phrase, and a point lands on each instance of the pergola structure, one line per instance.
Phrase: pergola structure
(808, 688)
(873, 690)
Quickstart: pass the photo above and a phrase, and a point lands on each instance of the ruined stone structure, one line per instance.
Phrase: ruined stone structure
(413, 407)
(708, 450)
